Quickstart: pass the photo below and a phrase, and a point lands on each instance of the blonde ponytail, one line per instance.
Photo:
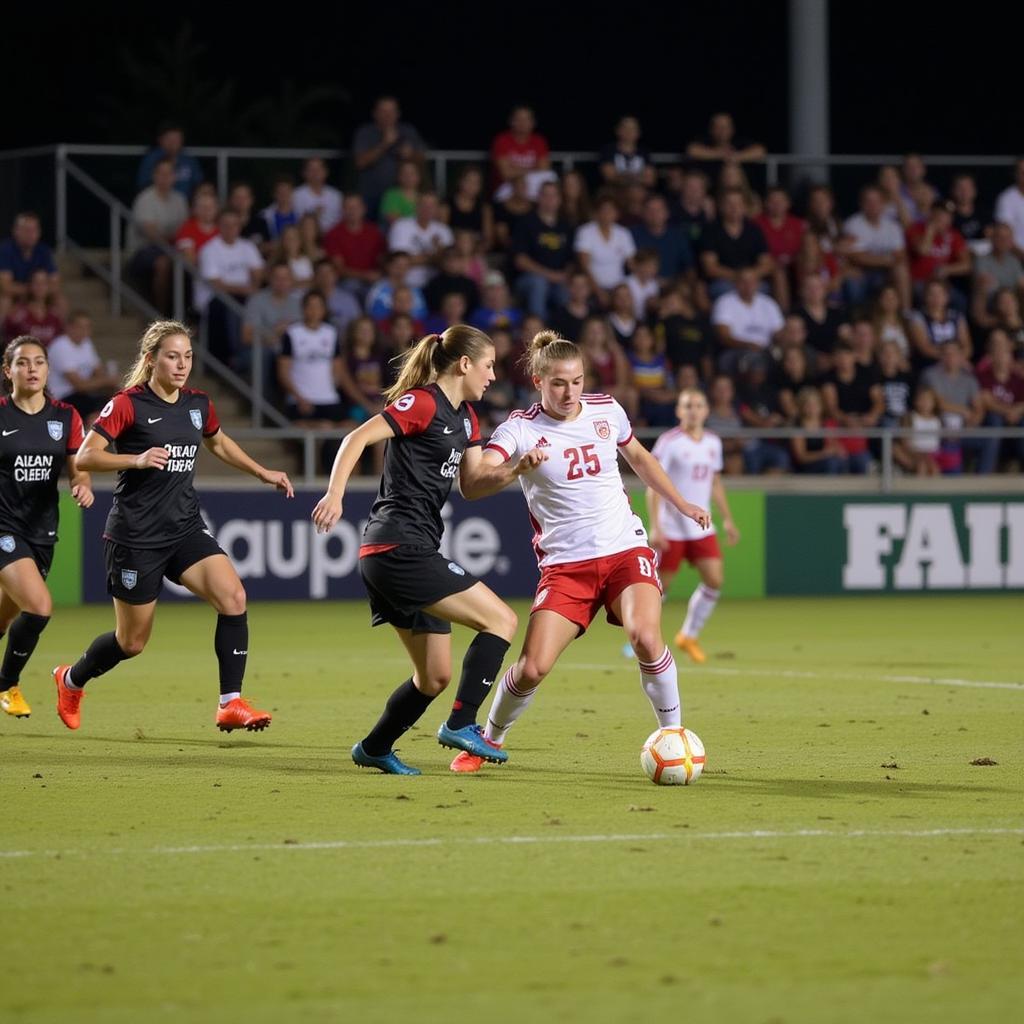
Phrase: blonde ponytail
(434, 355)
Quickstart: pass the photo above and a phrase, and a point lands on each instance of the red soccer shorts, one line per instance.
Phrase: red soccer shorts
(691, 551)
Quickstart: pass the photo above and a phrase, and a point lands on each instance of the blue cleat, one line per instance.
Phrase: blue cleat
(627, 650)
(471, 739)
(387, 763)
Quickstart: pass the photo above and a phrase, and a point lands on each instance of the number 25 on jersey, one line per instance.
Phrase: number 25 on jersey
(582, 460)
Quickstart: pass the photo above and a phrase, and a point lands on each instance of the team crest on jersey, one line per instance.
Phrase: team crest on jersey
(604, 431)
(7, 543)
(196, 417)
(468, 426)
(456, 568)
(129, 577)
(55, 429)
(540, 598)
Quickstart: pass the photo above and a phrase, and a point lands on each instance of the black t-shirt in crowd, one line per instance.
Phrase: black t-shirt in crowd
(154, 508)
(624, 163)
(823, 335)
(420, 464)
(972, 226)
(442, 284)
(896, 391)
(854, 395)
(734, 252)
(550, 245)
(33, 451)
(684, 340)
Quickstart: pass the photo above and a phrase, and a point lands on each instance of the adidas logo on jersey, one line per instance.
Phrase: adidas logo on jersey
(543, 442)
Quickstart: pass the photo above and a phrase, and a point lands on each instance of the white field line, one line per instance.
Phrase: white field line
(637, 837)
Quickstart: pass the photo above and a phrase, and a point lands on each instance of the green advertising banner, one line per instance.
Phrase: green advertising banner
(830, 545)
(65, 579)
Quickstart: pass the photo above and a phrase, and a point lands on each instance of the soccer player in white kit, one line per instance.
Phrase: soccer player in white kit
(692, 458)
(591, 547)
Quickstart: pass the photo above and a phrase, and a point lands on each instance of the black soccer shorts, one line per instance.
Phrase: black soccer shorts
(135, 575)
(13, 547)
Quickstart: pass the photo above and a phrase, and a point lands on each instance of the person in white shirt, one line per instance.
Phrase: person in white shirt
(591, 547)
(424, 237)
(157, 213)
(746, 320)
(309, 366)
(878, 251)
(604, 248)
(77, 374)
(1010, 208)
(316, 196)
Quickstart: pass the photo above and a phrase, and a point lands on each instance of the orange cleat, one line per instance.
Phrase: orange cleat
(68, 701)
(237, 714)
(465, 762)
(689, 645)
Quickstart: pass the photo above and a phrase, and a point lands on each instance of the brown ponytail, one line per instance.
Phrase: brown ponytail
(435, 355)
(547, 348)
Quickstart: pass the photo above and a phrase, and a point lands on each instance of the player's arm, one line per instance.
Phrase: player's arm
(732, 535)
(328, 509)
(483, 473)
(647, 467)
(654, 535)
(230, 452)
(81, 483)
(93, 457)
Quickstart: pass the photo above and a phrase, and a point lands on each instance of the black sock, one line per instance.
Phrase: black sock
(24, 635)
(103, 654)
(231, 642)
(480, 667)
(404, 708)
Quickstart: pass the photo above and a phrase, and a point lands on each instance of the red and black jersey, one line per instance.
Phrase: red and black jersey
(419, 466)
(156, 507)
(33, 450)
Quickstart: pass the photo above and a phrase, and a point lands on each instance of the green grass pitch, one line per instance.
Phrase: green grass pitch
(840, 860)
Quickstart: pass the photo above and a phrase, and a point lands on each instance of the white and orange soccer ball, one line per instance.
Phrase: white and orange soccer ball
(672, 757)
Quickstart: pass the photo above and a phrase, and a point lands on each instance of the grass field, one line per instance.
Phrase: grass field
(840, 860)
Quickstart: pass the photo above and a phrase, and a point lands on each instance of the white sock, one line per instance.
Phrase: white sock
(509, 703)
(67, 681)
(698, 611)
(226, 698)
(661, 684)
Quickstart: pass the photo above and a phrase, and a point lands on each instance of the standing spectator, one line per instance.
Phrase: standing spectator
(520, 150)
(356, 247)
(402, 198)
(896, 384)
(892, 323)
(316, 196)
(1002, 392)
(960, 406)
(170, 145)
(918, 195)
(157, 213)
(783, 234)
(1000, 268)
(37, 314)
(281, 213)
(625, 161)
(690, 205)
(826, 323)
(576, 208)
(423, 237)
(604, 248)
(199, 228)
(379, 146)
(643, 282)
(1010, 208)
(684, 333)
(938, 250)
(468, 210)
(721, 144)
(816, 453)
(542, 251)
(675, 257)
(746, 320)
(452, 277)
(568, 319)
(268, 314)
(722, 419)
(510, 212)
(730, 243)
(853, 398)
(969, 218)
(823, 251)
(937, 324)
(877, 253)
(381, 298)
(242, 200)
(77, 374)
(496, 311)
(342, 306)
(20, 256)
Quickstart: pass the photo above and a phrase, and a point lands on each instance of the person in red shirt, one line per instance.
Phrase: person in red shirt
(937, 250)
(356, 246)
(200, 227)
(36, 315)
(784, 234)
(520, 149)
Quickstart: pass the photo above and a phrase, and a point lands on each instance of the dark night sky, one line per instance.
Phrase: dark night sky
(901, 78)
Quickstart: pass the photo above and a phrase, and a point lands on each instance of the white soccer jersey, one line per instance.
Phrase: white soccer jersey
(691, 466)
(578, 506)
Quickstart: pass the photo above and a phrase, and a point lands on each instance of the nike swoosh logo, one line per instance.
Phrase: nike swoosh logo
(487, 682)
(20, 654)
(51, 533)
(449, 430)
(240, 652)
(14, 431)
(157, 420)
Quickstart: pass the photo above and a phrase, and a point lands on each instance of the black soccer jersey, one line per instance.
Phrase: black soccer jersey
(420, 465)
(33, 450)
(153, 508)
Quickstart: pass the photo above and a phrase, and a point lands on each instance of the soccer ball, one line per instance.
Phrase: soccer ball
(672, 757)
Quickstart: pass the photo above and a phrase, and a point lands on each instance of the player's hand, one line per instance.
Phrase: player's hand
(326, 513)
(279, 481)
(530, 461)
(697, 514)
(83, 495)
(152, 458)
(732, 535)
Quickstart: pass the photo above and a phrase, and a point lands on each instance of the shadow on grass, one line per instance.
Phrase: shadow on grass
(822, 788)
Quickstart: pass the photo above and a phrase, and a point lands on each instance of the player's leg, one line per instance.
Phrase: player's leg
(701, 605)
(24, 591)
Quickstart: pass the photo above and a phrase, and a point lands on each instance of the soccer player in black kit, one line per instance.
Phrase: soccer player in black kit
(155, 529)
(433, 438)
(39, 437)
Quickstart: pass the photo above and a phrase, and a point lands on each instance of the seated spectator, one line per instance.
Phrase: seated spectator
(229, 266)
(424, 237)
(362, 370)
(896, 384)
(722, 419)
(690, 205)
(632, 205)
(342, 306)
(542, 250)
(960, 405)
(268, 314)
(607, 366)
(642, 283)
(568, 319)
(890, 184)
(1000, 268)
(452, 277)
(199, 228)
(969, 217)
(404, 302)
(157, 213)
(468, 210)
(576, 207)
(288, 249)
(379, 146)
(520, 151)
(467, 245)
(402, 198)
(625, 161)
(510, 212)
(356, 246)
(730, 243)
(452, 311)
(783, 234)
(823, 250)
(401, 335)
(721, 144)
(853, 398)
(604, 247)
(936, 324)
(186, 174)
(242, 200)
(309, 232)
(817, 453)
(308, 367)
(500, 397)
(684, 333)
(877, 253)
(745, 319)
(496, 311)
(937, 250)
(281, 213)
(920, 453)
(675, 257)
(651, 379)
(36, 314)
(891, 323)
(77, 374)
(759, 407)
(380, 300)
(825, 322)
(732, 176)
(20, 256)
(1006, 316)
(864, 343)
(315, 196)
(792, 376)
(918, 195)
(1002, 392)
(622, 318)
